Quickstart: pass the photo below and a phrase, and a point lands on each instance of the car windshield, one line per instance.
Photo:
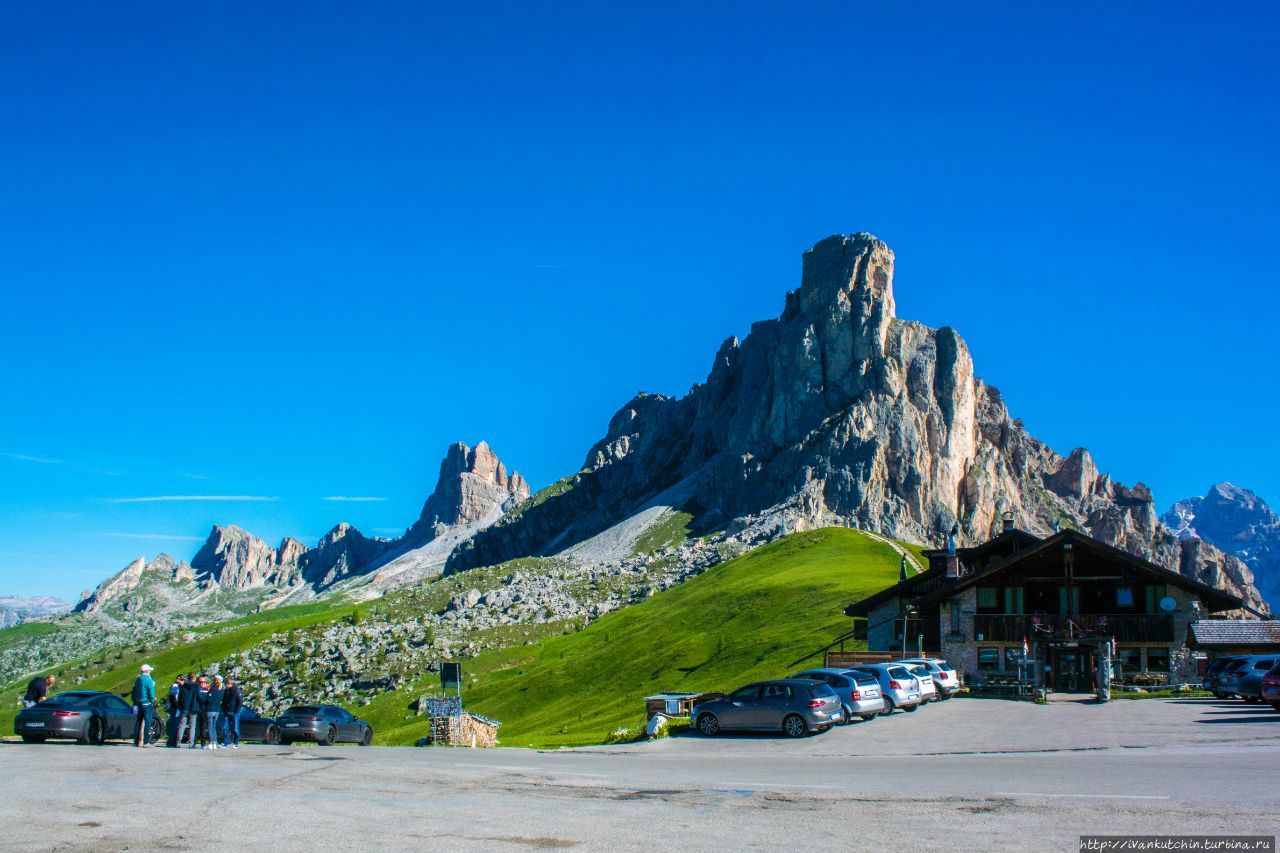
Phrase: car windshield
(304, 710)
(1264, 664)
(946, 667)
(821, 691)
(922, 671)
(899, 672)
(67, 699)
(863, 680)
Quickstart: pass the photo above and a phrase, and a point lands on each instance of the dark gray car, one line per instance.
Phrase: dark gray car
(794, 707)
(253, 726)
(324, 724)
(87, 716)
(1245, 681)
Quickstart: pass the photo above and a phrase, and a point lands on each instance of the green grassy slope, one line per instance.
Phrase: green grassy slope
(745, 619)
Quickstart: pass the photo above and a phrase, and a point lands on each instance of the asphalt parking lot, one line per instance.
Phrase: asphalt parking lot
(969, 774)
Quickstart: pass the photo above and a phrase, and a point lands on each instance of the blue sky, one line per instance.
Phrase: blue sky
(262, 251)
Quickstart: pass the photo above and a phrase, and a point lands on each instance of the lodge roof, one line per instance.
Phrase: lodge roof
(1214, 598)
(1236, 632)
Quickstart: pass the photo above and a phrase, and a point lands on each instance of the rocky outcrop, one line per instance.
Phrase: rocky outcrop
(843, 414)
(340, 553)
(232, 558)
(473, 486)
(163, 569)
(1238, 522)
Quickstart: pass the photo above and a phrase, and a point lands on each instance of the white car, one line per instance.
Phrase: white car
(945, 678)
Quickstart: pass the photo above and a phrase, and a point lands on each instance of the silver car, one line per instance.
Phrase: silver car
(791, 706)
(859, 692)
(945, 680)
(898, 686)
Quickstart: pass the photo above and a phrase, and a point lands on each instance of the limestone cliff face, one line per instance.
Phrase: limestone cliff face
(844, 414)
(163, 568)
(473, 488)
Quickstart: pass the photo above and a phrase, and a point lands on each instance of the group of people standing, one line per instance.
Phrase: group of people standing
(204, 709)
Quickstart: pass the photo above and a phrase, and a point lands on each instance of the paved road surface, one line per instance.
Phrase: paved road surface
(971, 774)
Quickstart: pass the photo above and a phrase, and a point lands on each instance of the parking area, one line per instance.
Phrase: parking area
(967, 774)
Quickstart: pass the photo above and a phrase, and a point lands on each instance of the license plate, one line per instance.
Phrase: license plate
(34, 725)
(292, 725)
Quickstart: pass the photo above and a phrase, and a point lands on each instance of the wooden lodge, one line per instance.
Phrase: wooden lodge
(1044, 612)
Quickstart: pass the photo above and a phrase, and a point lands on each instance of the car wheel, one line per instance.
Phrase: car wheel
(888, 706)
(794, 726)
(94, 732)
(271, 735)
(708, 725)
(367, 740)
(945, 696)
(156, 730)
(910, 709)
(33, 738)
(866, 718)
(330, 737)
(847, 717)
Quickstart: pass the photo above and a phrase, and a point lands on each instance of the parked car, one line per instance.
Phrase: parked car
(1271, 687)
(859, 693)
(945, 680)
(898, 686)
(87, 716)
(1245, 679)
(1224, 680)
(254, 726)
(1215, 669)
(324, 724)
(793, 706)
(928, 692)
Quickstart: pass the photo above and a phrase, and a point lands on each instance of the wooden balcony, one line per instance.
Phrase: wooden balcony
(1125, 627)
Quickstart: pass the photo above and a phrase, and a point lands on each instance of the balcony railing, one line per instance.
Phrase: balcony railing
(1125, 627)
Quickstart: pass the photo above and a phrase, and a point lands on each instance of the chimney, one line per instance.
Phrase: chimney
(1007, 522)
(953, 561)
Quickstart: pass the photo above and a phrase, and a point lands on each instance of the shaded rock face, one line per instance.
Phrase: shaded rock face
(846, 415)
(119, 586)
(342, 552)
(1238, 522)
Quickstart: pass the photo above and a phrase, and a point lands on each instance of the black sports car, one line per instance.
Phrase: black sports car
(88, 716)
(253, 726)
(324, 724)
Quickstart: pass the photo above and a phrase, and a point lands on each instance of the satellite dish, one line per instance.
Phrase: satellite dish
(1168, 604)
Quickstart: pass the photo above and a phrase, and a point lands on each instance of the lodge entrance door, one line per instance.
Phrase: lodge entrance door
(1073, 670)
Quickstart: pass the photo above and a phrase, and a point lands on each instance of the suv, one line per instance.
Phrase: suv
(1216, 666)
(1219, 684)
(899, 687)
(793, 706)
(859, 692)
(1245, 680)
(945, 679)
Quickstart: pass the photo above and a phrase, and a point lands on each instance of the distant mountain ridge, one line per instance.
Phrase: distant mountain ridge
(1240, 523)
(835, 413)
(473, 489)
(16, 609)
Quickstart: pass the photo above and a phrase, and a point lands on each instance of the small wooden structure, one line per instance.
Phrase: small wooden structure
(842, 658)
(449, 725)
(670, 704)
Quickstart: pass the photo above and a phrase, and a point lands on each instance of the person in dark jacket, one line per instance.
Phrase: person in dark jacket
(173, 703)
(213, 711)
(37, 690)
(232, 703)
(199, 707)
(190, 714)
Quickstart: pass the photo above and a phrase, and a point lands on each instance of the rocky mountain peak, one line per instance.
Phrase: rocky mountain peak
(233, 558)
(1239, 522)
(473, 487)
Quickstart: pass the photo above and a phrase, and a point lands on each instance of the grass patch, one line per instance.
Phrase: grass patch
(671, 530)
(1160, 694)
(745, 619)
